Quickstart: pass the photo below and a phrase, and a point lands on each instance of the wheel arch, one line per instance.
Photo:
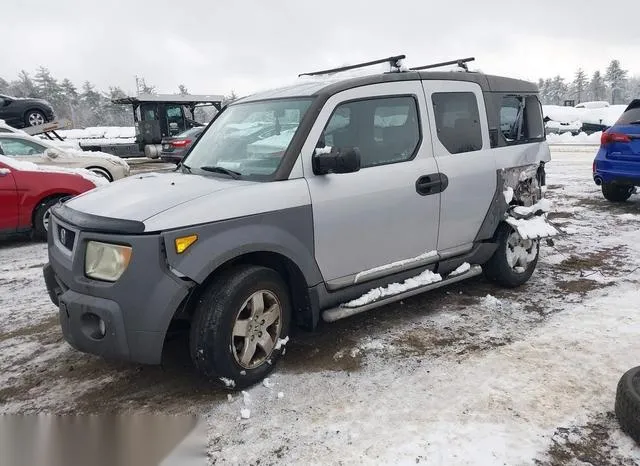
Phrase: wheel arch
(103, 169)
(45, 198)
(302, 312)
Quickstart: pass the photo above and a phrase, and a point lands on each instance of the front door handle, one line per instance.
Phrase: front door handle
(432, 184)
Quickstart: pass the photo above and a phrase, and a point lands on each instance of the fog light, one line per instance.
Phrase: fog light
(93, 326)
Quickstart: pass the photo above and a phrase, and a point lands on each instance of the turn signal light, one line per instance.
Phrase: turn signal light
(184, 242)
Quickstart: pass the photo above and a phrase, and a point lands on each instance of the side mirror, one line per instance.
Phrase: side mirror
(333, 160)
(51, 153)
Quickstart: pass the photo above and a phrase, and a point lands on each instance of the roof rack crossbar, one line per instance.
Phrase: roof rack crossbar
(393, 61)
(461, 62)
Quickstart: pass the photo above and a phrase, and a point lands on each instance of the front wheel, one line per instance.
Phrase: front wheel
(515, 259)
(41, 218)
(35, 118)
(238, 324)
(616, 192)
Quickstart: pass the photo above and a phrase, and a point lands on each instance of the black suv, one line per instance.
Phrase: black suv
(22, 112)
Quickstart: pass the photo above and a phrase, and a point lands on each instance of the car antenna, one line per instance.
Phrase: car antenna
(393, 61)
(461, 62)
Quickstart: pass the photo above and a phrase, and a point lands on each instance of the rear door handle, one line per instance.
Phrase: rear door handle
(432, 184)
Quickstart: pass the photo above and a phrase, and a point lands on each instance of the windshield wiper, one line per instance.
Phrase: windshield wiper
(637, 122)
(185, 168)
(225, 171)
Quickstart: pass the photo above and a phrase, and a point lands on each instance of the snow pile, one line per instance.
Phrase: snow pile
(568, 138)
(561, 114)
(603, 116)
(425, 278)
(245, 413)
(543, 205)
(532, 228)
(464, 268)
(491, 302)
(393, 265)
(32, 167)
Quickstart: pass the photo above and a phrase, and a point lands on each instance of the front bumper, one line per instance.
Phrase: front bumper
(127, 319)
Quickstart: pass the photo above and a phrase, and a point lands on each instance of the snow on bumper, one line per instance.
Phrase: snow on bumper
(532, 228)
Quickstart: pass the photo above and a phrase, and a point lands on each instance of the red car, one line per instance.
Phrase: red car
(27, 193)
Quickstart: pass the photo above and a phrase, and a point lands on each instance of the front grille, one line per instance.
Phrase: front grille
(66, 237)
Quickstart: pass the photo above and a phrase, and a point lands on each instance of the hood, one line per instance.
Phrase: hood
(140, 197)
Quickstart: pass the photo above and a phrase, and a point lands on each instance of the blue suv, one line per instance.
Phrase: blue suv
(617, 165)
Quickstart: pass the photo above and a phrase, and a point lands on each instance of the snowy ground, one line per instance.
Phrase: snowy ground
(471, 374)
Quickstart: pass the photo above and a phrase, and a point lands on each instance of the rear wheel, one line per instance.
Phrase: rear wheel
(41, 218)
(34, 118)
(616, 192)
(238, 322)
(515, 259)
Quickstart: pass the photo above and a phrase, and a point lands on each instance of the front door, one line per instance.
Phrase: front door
(463, 153)
(374, 221)
(9, 213)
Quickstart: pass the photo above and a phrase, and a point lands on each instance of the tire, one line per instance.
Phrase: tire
(34, 117)
(41, 218)
(627, 406)
(101, 172)
(616, 192)
(216, 353)
(499, 268)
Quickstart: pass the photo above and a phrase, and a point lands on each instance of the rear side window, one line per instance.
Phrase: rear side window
(630, 116)
(521, 119)
(457, 121)
(386, 130)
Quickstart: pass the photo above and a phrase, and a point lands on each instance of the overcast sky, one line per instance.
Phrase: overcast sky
(215, 46)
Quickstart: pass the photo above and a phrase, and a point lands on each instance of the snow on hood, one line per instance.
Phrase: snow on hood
(140, 197)
(32, 167)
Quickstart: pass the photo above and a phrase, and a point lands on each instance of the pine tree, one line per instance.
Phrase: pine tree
(182, 89)
(48, 87)
(4, 86)
(580, 84)
(24, 86)
(557, 90)
(144, 88)
(597, 86)
(616, 79)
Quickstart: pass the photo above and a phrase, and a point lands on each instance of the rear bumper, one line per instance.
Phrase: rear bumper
(608, 170)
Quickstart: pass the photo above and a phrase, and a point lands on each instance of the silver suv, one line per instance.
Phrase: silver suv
(320, 200)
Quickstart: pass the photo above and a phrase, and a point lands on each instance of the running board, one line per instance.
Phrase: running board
(340, 312)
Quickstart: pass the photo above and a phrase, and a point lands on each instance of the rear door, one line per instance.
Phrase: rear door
(9, 212)
(368, 221)
(462, 150)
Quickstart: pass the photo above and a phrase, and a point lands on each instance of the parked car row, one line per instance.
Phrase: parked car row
(20, 146)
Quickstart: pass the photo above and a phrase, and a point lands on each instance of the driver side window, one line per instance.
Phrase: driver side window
(18, 148)
(385, 130)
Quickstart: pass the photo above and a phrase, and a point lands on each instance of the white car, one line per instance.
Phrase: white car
(21, 146)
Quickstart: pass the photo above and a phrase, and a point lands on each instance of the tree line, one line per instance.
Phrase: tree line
(86, 106)
(614, 86)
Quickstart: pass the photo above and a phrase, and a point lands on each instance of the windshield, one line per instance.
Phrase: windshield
(250, 138)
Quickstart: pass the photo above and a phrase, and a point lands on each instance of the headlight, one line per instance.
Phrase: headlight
(104, 261)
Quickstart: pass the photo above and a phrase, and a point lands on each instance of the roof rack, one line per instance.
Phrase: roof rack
(393, 61)
(461, 62)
